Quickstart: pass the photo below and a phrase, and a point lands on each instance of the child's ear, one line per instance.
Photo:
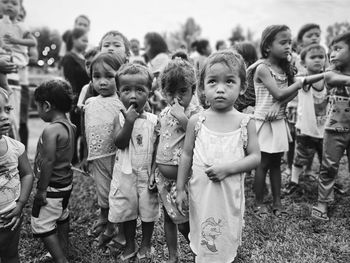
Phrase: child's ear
(243, 88)
(302, 62)
(47, 106)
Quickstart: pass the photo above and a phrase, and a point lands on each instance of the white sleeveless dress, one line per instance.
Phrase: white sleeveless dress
(216, 209)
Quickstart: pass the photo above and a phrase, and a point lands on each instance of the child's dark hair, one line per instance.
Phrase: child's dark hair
(157, 44)
(219, 43)
(134, 69)
(180, 54)
(308, 48)
(117, 33)
(231, 59)
(267, 37)
(304, 29)
(177, 72)
(201, 46)
(342, 37)
(57, 92)
(91, 52)
(248, 51)
(84, 17)
(112, 60)
(72, 35)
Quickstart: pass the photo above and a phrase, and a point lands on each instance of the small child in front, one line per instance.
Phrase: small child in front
(178, 84)
(129, 195)
(16, 181)
(220, 145)
(336, 138)
(52, 167)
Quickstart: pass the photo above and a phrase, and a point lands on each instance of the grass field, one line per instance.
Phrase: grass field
(297, 238)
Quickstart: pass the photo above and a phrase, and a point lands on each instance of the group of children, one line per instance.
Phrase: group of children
(192, 157)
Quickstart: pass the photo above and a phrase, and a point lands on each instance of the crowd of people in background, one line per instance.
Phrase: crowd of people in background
(177, 129)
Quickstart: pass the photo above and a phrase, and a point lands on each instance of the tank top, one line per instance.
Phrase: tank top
(62, 175)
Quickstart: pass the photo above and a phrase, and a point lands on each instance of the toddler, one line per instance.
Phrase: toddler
(129, 195)
(178, 84)
(220, 145)
(16, 181)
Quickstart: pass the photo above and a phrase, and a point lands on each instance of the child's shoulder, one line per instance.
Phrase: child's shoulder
(14, 145)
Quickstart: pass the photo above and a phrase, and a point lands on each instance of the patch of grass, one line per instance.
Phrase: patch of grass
(297, 238)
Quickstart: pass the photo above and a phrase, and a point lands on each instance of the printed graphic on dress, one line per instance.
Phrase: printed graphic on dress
(139, 139)
(210, 232)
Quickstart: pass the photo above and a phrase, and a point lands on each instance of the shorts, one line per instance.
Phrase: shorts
(130, 197)
(45, 218)
(9, 241)
(101, 170)
(167, 193)
(305, 149)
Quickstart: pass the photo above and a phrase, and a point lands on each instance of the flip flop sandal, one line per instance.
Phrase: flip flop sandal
(115, 248)
(128, 258)
(261, 212)
(319, 215)
(279, 212)
(148, 257)
(104, 239)
(98, 227)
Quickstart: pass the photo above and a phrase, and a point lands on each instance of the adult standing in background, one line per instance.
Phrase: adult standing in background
(73, 64)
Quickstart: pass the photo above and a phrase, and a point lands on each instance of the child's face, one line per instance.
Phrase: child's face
(281, 46)
(133, 89)
(222, 86)
(340, 55)
(135, 48)
(103, 79)
(82, 23)
(313, 36)
(81, 43)
(315, 60)
(10, 8)
(43, 110)
(114, 45)
(5, 110)
(183, 95)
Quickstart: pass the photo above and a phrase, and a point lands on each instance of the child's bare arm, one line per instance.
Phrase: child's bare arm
(335, 79)
(264, 75)
(25, 172)
(123, 134)
(185, 164)
(217, 173)
(25, 41)
(49, 137)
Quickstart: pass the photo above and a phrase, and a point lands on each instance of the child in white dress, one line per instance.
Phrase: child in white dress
(220, 145)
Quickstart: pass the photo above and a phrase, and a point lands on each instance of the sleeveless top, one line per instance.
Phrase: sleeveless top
(10, 182)
(216, 209)
(264, 99)
(62, 175)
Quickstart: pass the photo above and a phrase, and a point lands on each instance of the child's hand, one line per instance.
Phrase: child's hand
(14, 217)
(84, 165)
(273, 112)
(152, 183)
(9, 38)
(131, 114)
(40, 198)
(216, 173)
(181, 198)
(177, 110)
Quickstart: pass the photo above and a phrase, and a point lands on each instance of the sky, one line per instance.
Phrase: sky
(217, 18)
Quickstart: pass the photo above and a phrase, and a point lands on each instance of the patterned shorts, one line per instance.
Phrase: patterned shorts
(167, 193)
